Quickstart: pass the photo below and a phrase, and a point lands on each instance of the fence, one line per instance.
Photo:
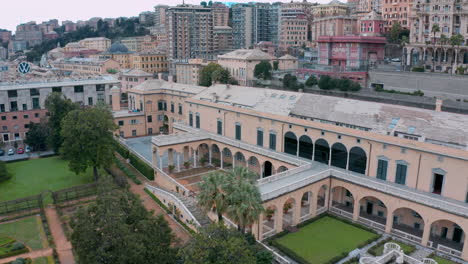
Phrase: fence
(75, 193)
(27, 204)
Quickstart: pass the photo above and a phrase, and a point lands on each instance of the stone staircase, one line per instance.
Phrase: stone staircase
(192, 206)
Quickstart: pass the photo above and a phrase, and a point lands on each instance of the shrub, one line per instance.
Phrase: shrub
(418, 69)
(142, 167)
(355, 86)
(127, 172)
(17, 246)
(264, 257)
(19, 261)
(344, 84)
(311, 81)
(324, 82)
(4, 173)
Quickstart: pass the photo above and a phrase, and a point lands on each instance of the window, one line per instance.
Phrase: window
(34, 92)
(78, 89)
(260, 137)
(3, 117)
(90, 101)
(122, 134)
(121, 122)
(190, 119)
(197, 120)
(172, 108)
(25, 116)
(36, 115)
(56, 89)
(272, 142)
(180, 109)
(238, 131)
(382, 166)
(149, 118)
(2, 108)
(100, 87)
(150, 131)
(13, 106)
(134, 133)
(401, 173)
(133, 121)
(12, 93)
(162, 106)
(15, 117)
(101, 96)
(35, 103)
(219, 127)
(25, 107)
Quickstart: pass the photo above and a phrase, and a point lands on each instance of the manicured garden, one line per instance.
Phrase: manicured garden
(32, 177)
(441, 260)
(324, 240)
(20, 236)
(378, 249)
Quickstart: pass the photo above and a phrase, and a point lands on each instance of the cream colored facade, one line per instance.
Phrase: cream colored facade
(189, 72)
(150, 61)
(331, 9)
(100, 43)
(406, 187)
(93, 66)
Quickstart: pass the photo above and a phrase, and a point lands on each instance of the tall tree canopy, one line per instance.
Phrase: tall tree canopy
(87, 139)
(263, 70)
(117, 229)
(58, 107)
(4, 172)
(213, 72)
(38, 135)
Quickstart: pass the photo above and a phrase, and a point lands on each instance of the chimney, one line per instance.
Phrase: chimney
(115, 94)
(438, 105)
(160, 76)
(170, 79)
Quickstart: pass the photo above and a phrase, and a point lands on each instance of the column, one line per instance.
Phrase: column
(408, 58)
(329, 157)
(296, 212)
(258, 226)
(221, 162)
(356, 209)
(313, 151)
(297, 149)
(233, 161)
(313, 204)
(194, 158)
(170, 157)
(261, 170)
(279, 219)
(178, 162)
(389, 224)
(209, 155)
(465, 248)
(155, 157)
(160, 162)
(426, 232)
(347, 161)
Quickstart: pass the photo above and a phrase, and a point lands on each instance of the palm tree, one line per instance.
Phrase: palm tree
(455, 40)
(442, 41)
(212, 195)
(245, 205)
(435, 29)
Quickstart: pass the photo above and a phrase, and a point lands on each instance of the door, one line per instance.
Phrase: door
(443, 232)
(268, 169)
(457, 234)
(438, 182)
(370, 208)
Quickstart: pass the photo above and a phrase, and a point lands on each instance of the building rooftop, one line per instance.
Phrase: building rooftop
(135, 73)
(247, 54)
(442, 128)
(56, 82)
(150, 86)
(126, 113)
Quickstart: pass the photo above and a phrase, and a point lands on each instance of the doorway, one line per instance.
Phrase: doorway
(370, 208)
(438, 183)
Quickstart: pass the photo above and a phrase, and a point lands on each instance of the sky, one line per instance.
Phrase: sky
(13, 13)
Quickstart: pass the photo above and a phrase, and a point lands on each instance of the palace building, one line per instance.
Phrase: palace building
(396, 169)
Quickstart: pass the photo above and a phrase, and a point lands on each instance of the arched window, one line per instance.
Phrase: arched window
(290, 143)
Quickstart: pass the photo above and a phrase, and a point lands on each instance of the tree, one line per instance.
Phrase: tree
(455, 40)
(87, 139)
(434, 30)
(275, 65)
(212, 196)
(355, 86)
(311, 81)
(263, 70)
(395, 32)
(213, 72)
(344, 84)
(116, 228)
(289, 81)
(217, 245)
(37, 135)
(324, 82)
(4, 172)
(58, 107)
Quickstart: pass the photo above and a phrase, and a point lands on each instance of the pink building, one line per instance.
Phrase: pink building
(5, 35)
(132, 78)
(371, 25)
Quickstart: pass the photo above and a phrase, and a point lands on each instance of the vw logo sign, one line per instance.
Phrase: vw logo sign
(24, 67)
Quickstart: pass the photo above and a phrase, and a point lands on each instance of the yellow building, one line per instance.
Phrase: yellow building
(117, 52)
(151, 61)
(101, 44)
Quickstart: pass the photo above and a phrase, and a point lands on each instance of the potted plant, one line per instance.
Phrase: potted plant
(286, 207)
(187, 164)
(203, 161)
(171, 168)
(269, 213)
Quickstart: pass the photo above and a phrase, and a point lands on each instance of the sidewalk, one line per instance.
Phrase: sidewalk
(63, 246)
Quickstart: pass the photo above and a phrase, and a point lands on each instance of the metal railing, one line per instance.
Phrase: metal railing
(284, 174)
(169, 196)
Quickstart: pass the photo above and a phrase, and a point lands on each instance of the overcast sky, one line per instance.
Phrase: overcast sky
(13, 13)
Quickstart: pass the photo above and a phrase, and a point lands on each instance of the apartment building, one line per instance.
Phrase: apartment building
(395, 169)
(5, 35)
(30, 33)
(23, 103)
(99, 43)
(87, 65)
(151, 61)
(294, 22)
(130, 78)
(137, 44)
(396, 11)
(334, 8)
(220, 15)
(160, 18)
(333, 26)
(427, 48)
(189, 72)
(190, 32)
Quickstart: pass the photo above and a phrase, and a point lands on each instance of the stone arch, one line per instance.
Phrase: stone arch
(322, 151)
(448, 234)
(343, 199)
(268, 169)
(339, 155)
(306, 147)
(239, 160)
(357, 160)
(255, 166)
(322, 196)
(306, 204)
(269, 221)
(290, 143)
(227, 158)
(374, 209)
(288, 212)
(215, 155)
(282, 169)
(203, 154)
(408, 223)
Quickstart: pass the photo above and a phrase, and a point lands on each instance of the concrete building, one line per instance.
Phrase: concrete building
(5, 35)
(333, 26)
(99, 43)
(70, 26)
(294, 22)
(220, 15)
(29, 32)
(190, 32)
(23, 103)
(137, 44)
(223, 41)
(242, 26)
(160, 18)
(371, 25)
(391, 168)
(151, 61)
(334, 8)
(189, 72)
(3, 53)
(366, 6)
(146, 18)
(87, 65)
(429, 50)
(241, 63)
(394, 11)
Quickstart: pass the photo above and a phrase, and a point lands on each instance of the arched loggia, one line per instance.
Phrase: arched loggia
(339, 155)
(357, 160)
(290, 143)
(322, 151)
(306, 147)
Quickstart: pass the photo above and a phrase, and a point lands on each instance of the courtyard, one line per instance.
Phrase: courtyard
(324, 239)
(35, 176)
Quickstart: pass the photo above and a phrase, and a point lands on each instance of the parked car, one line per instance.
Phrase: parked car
(11, 152)
(396, 60)
(2, 152)
(27, 149)
(20, 150)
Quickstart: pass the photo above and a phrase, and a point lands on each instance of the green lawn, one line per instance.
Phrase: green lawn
(43, 260)
(441, 260)
(324, 239)
(32, 177)
(27, 230)
(379, 248)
